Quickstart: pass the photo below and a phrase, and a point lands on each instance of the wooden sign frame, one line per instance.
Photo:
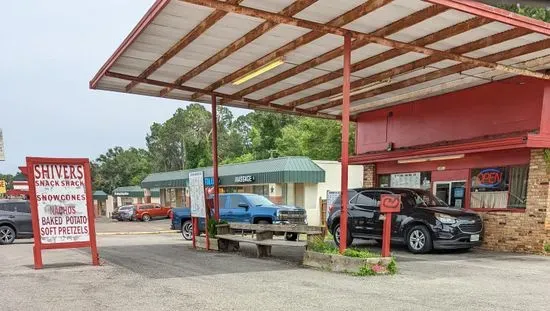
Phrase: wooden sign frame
(38, 245)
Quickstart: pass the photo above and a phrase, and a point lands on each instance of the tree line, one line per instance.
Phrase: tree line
(185, 141)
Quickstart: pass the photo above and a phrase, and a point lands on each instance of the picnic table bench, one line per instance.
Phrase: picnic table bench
(262, 236)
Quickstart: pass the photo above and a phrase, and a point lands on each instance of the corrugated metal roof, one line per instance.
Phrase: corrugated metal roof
(279, 170)
(134, 192)
(206, 59)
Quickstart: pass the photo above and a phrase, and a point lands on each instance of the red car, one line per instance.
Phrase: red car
(148, 211)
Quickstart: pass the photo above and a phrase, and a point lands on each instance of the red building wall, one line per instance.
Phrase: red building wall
(507, 106)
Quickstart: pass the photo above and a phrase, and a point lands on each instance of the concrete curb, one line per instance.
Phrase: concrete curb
(137, 233)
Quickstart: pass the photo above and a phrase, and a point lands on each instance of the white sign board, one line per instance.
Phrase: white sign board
(62, 203)
(2, 157)
(196, 193)
(405, 180)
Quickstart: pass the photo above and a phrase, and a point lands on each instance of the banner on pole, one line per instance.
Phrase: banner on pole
(196, 193)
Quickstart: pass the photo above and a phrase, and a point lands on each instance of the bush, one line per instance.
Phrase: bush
(366, 270)
(392, 266)
(547, 248)
(357, 253)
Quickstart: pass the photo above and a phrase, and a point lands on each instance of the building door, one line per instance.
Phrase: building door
(451, 192)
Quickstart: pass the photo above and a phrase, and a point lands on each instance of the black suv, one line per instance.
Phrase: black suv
(424, 223)
(15, 220)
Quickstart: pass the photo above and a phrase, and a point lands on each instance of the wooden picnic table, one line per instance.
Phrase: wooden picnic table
(262, 236)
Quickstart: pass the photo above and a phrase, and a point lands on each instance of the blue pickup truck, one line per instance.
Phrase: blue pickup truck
(246, 208)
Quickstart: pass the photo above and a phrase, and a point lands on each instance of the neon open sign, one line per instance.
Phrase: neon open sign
(490, 177)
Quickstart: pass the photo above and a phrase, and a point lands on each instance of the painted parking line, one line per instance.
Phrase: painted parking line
(138, 232)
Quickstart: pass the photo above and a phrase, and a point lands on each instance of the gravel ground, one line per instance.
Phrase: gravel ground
(161, 272)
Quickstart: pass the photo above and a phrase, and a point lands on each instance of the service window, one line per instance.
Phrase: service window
(499, 187)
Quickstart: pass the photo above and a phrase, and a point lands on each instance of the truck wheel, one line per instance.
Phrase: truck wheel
(291, 236)
(7, 235)
(187, 230)
(419, 240)
(336, 235)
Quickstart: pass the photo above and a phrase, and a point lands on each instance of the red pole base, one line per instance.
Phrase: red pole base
(386, 236)
(37, 252)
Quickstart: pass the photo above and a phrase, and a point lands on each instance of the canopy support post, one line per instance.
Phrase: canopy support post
(345, 144)
(215, 158)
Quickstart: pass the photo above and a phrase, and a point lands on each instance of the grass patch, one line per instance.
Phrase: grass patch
(366, 270)
(359, 253)
(323, 247)
(329, 248)
(392, 266)
(547, 247)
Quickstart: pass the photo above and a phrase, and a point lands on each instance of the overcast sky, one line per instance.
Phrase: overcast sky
(49, 52)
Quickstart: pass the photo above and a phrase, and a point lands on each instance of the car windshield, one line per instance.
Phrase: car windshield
(127, 207)
(424, 198)
(258, 200)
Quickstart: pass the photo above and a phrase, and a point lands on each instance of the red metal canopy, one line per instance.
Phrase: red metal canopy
(402, 50)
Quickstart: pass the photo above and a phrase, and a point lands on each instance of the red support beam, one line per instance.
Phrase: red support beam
(215, 158)
(497, 14)
(345, 144)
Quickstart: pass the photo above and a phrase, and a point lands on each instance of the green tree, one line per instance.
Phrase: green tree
(119, 167)
(8, 178)
(314, 138)
(183, 141)
(536, 13)
(265, 128)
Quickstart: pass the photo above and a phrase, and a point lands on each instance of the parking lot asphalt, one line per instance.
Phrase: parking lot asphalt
(105, 225)
(162, 272)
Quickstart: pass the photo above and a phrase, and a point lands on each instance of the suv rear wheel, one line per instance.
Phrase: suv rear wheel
(419, 240)
(336, 235)
(7, 235)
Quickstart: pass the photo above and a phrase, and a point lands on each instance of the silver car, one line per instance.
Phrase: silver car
(125, 212)
(15, 220)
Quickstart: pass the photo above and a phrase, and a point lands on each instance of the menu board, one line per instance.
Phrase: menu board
(405, 180)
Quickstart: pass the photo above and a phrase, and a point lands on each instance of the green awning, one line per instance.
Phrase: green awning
(277, 171)
(99, 195)
(134, 192)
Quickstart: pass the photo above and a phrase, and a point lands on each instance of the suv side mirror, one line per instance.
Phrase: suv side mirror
(244, 205)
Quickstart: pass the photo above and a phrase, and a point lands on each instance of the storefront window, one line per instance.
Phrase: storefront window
(499, 187)
(261, 190)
